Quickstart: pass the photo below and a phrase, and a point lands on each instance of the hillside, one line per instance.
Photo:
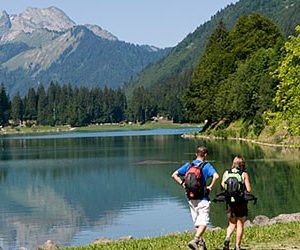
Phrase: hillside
(43, 45)
(284, 13)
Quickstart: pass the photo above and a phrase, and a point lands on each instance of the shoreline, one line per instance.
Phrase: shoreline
(192, 136)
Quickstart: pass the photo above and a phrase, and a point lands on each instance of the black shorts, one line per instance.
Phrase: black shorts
(239, 210)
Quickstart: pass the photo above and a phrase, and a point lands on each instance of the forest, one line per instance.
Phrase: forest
(249, 73)
(63, 105)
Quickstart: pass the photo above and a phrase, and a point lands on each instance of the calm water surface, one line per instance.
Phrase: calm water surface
(76, 187)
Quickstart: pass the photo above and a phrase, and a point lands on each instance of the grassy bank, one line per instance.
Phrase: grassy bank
(91, 128)
(277, 236)
(275, 135)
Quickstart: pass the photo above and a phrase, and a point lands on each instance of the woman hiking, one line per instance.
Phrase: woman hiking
(237, 207)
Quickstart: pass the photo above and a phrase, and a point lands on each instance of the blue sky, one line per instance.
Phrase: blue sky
(162, 23)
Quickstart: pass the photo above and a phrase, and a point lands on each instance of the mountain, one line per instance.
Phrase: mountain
(44, 45)
(185, 56)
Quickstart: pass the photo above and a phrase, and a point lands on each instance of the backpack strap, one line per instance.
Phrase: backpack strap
(240, 171)
(201, 166)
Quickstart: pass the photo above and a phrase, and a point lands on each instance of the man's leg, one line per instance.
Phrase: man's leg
(200, 231)
(201, 221)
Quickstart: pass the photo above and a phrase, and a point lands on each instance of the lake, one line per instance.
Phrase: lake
(75, 187)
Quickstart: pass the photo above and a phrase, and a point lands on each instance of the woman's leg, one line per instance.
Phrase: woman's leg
(231, 226)
(229, 231)
(239, 230)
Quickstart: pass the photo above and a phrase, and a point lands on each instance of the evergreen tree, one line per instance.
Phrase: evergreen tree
(251, 33)
(4, 106)
(97, 107)
(16, 113)
(66, 104)
(108, 100)
(119, 106)
(215, 65)
(167, 97)
(140, 105)
(83, 107)
(42, 107)
(53, 94)
(30, 105)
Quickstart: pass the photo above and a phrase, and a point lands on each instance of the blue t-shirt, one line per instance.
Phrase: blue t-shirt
(207, 171)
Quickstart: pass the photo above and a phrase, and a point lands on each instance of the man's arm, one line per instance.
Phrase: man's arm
(177, 178)
(213, 182)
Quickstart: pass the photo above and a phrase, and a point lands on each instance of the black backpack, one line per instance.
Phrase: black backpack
(234, 186)
(194, 186)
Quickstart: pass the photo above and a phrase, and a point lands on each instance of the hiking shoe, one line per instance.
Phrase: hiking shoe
(226, 245)
(202, 245)
(193, 244)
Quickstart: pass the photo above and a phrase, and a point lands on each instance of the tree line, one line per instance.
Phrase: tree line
(63, 104)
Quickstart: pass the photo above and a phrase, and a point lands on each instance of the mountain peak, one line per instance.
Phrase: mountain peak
(12, 27)
(51, 18)
(5, 23)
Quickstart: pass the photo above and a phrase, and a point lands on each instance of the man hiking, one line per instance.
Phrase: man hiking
(193, 177)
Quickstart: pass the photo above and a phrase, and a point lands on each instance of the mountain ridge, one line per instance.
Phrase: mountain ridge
(46, 46)
(32, 19)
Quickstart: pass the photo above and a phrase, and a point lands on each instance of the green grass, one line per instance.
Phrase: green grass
(278, 236)
(150, 125)
(104, 127)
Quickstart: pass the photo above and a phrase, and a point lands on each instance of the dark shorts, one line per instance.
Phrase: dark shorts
(237, 210)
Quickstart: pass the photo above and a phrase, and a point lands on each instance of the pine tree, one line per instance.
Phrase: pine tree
(4, 106)
(17, 109)
(251, 33)
(42, 107)
(215, 65)
(30, 105)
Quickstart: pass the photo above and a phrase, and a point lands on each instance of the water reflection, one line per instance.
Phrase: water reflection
(74, 190)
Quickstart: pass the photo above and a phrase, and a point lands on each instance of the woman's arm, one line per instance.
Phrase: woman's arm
(247, 182)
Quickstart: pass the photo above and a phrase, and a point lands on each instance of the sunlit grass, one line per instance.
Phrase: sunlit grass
(278, 236)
